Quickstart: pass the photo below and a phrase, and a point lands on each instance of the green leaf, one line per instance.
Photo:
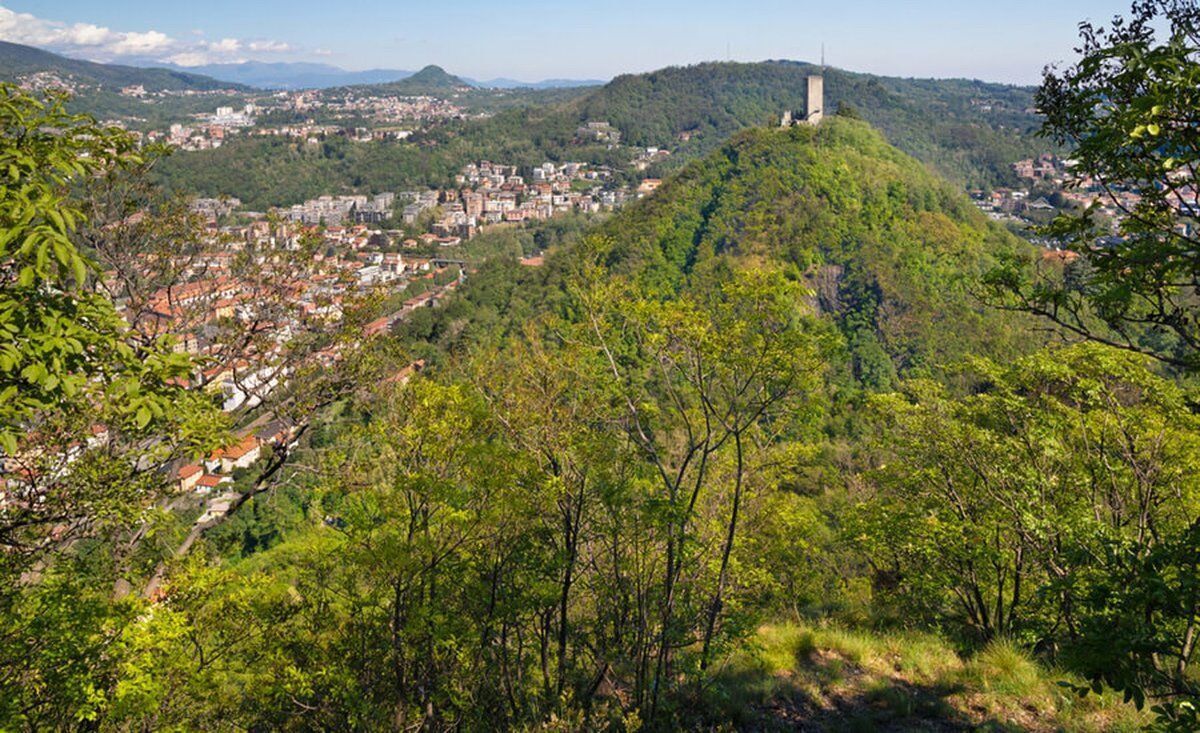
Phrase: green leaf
(79, 268)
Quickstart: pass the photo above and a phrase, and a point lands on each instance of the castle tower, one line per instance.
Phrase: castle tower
(816, 100)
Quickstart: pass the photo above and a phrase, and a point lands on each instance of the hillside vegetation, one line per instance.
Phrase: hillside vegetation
(271, 171)
(886, 250)
(969, 132)
(749, 454)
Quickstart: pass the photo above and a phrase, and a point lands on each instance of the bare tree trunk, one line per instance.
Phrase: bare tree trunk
(571, 527)
(715, 608)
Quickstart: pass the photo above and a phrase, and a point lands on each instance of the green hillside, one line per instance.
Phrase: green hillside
(17, 60)
(174, 96)
(795, 439)
(432, 77)
(889, 251)
(432, 80)
(653, 485)
(970, 131)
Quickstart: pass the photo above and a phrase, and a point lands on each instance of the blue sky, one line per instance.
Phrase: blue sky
(533, 39)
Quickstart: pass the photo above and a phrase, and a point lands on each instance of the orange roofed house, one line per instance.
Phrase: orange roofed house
(207, 483)
(188, 476)
(243, 454)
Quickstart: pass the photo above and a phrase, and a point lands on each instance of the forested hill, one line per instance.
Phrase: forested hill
(970, 131)
(17, 60)
(889, 251)
(432, 81)
(888, 248)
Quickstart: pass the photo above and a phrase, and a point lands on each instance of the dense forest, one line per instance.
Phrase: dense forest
(800, 441)
(969, 131)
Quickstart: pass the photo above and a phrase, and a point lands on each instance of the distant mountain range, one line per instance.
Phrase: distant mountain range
(17, 60)
(291, 75)
(503, 83)
(304, 75)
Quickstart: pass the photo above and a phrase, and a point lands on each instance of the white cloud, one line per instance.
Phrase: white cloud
(225, 45)
(141, 44)
(84, 34)
(270, 47)
(99, 43)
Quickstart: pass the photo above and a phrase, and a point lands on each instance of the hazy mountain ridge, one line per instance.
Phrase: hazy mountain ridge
(309, 75)
(17, 60)
(506, 83)
(293, 75)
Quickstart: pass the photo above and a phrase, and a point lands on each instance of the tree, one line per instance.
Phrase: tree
(281, 360)
(549, 399)
(90, 414)
(1055, 504)
(705, 381)
(1127, 112)
(71, 371)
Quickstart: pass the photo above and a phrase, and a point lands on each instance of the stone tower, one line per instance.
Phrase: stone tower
(816, 100)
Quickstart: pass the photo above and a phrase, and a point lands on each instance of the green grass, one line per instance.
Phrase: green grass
(1004, 669)
(838, 679)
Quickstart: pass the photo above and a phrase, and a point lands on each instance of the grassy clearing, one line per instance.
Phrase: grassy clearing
(794, 677)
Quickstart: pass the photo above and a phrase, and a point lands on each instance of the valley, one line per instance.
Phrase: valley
(726, 396)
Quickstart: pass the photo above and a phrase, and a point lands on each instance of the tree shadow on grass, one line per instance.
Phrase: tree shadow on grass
(827, 692)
